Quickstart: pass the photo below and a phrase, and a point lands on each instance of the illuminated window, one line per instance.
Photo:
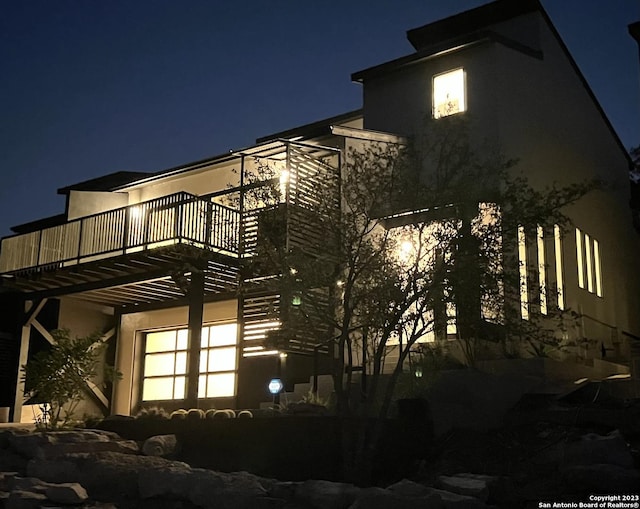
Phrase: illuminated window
(165, 363)
(596, 261)
(589, 264)
(522, 265)
(580, 258)
(218, 361)
(542, 270)
(557, 235)
(449, 95)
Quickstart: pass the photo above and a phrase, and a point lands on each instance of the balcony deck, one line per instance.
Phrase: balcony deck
(144, 252)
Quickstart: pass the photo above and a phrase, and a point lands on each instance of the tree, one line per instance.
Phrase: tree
(58, 377)
(424, 231)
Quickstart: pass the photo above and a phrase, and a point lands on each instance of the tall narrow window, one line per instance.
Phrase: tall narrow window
(596, 263)
(522, 263)
(449, 95)
(557, 234)
(589, 263)
(218, 361)
(542, 271)
(580, 258)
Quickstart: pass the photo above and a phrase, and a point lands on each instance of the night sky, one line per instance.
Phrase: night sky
(97, 86)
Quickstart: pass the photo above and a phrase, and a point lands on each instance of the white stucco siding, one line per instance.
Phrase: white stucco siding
(198, 182)
(83, 319)
(549, 122)
(86, 203)
(126, 393)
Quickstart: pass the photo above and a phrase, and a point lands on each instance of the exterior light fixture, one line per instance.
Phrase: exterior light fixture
(275, 386)
(296, 299)
(418, 372)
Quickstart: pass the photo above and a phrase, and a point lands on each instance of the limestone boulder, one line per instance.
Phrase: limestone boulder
(25, 500)
(472, 485)
(66, 493)
(589, 449)
(160, 445)
(203, 488)
(318, 494)
(379, 498)
(54, 444)
(407, 488)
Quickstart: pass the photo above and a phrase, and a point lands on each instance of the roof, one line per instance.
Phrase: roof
(472, 27)
(40, 224)
(469, 21)
(313, 129)
(106, 182)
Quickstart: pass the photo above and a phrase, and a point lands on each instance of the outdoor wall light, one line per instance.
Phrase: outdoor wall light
(418, 372)
(275, 386)
(296, 299)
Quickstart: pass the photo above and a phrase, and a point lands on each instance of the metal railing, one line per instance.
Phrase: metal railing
(179, 218)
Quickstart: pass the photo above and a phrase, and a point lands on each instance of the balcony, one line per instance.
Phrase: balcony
(179, 218)
(142, 252)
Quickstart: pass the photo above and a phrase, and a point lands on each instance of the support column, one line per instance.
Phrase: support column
(196, 309)
(31, 312)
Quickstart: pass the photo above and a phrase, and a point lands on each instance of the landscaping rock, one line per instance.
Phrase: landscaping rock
(67, 493)
(160, 445)
(319, 494)
(407, 488)
(456, 501)
(105, 475)
(466, 484)
(204, 488)
(24, 500)
(588, 450)
(378, 498)
(50, 445)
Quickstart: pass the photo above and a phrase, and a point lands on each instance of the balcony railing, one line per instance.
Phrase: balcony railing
(179, 218)
(279, 176)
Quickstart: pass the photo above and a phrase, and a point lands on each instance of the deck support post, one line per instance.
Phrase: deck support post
(31, 313)
(196, 311)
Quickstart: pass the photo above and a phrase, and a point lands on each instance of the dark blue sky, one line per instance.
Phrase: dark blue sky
(96, 86)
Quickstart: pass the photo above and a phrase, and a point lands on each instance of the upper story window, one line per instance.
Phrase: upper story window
(449, 94)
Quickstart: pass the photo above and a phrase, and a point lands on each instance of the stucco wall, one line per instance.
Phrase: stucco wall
(86, 203)
(538, 111)
(83, 319)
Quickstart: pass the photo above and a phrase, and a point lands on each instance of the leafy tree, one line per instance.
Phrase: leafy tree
(424, 231)
(58, 377)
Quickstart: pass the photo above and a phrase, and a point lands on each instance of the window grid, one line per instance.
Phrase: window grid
(165, 363)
